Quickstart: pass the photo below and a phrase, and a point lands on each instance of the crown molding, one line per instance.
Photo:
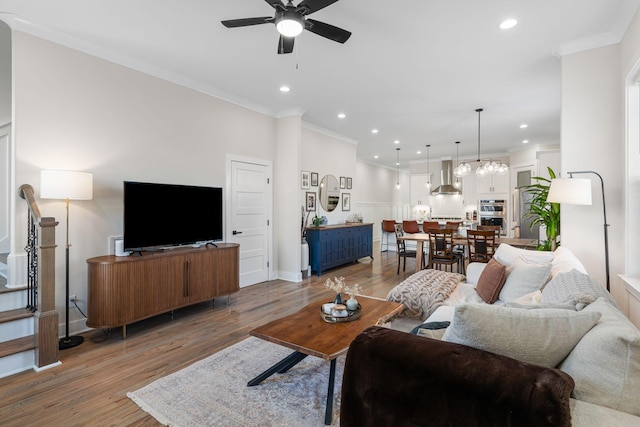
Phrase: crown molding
(58, 37)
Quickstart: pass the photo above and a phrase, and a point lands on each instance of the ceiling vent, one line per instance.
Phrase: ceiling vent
(446, 179)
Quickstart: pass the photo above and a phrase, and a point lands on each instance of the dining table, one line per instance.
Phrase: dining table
(458, 239)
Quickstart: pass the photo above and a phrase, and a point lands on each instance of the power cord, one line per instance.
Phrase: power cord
(106, 335)
(79, 309)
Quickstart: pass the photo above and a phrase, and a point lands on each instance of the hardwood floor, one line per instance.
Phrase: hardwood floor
(90, 386)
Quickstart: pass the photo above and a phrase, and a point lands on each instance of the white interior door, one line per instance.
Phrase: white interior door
(248, 219)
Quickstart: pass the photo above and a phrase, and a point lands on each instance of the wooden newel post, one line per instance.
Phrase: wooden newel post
(46, 333)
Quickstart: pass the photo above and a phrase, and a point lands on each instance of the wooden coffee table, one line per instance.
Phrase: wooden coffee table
(308, 335)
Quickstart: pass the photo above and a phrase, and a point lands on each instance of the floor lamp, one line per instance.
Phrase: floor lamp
(66, 185)
(575, 191)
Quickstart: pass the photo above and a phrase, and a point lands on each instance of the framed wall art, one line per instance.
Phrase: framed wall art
(346, 201)
(314, 179)
(343, 182)
(304, 179)
(311, 201)
(349, 182)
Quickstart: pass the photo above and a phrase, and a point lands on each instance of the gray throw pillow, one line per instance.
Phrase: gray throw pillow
(543, 337)
(573, 285)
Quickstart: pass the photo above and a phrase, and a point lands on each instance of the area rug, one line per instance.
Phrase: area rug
(214, 392)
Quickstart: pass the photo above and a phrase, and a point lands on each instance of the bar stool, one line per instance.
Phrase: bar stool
(388, 228)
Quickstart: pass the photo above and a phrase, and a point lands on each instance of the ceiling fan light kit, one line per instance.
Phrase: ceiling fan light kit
(290, 24)
(291, 20)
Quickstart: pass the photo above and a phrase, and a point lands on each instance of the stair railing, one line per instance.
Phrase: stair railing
(41, 279)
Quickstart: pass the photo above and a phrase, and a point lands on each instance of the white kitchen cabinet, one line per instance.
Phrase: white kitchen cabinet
(419, 191)
(469, 189)
(492, 183)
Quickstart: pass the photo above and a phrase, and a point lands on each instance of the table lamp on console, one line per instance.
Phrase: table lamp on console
(66, 185)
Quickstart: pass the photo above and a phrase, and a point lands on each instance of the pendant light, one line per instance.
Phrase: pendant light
(488, 166)
(428, 183)
(458, 171)
(398, 168)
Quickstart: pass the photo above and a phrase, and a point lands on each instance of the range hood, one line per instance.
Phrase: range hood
(446, 179)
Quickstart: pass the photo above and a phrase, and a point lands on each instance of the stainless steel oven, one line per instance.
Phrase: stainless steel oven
(494, 212)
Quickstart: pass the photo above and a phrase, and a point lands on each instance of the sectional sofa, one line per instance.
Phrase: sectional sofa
(528, 339)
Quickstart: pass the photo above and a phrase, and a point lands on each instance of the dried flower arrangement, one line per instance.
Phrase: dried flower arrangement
(338, 284)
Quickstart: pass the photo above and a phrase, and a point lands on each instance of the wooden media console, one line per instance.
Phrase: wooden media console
(124, 290)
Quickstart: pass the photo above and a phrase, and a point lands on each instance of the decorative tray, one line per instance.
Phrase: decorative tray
(351, 315)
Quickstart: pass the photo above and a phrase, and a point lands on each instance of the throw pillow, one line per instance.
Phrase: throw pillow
(605, 364)
(507, 254)
(491, 281)
(564, 260)
(524, 277)
(572, 285)
(543, 337)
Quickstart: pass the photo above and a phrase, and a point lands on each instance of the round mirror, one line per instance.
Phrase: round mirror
(329, 193)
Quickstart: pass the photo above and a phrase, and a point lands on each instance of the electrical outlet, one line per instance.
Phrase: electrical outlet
(72, 298)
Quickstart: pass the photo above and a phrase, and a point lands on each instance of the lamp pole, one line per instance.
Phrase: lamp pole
(606, 225)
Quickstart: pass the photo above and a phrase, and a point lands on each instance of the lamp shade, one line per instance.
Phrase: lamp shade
(573, 191)
(62, 184)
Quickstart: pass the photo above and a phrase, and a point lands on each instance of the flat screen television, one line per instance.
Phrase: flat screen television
(165, 215)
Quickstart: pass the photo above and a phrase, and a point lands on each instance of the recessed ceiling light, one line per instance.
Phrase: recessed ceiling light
(284, 89)
(507, 24)
(397, 141)
(374, 130)
(524, 125)
(376, 156)
(525, 141)
(342, 115)
(418, 152)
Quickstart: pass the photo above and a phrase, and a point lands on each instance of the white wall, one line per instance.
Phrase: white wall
(329, 155)
(286, 221)
(378, 196)
(76, 111)
(593, 139)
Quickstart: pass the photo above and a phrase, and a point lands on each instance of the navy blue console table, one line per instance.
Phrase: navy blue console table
(334, 245)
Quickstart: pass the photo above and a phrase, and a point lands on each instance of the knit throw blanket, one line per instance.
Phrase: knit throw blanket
(423, 292)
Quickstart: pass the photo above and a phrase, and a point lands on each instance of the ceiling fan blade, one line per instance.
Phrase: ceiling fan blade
(307, 7)
(277, 4)
(329, 31)
(244, 22)
(285, 44)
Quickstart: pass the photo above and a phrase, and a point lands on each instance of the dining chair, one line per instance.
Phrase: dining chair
(481, 245)
(403, 252)
(441, 249)
(454, 225)
(495, 228)
(388, 228)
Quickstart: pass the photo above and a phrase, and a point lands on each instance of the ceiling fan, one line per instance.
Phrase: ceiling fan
(290, 20)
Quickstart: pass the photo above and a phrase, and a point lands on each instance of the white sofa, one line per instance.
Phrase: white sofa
(551, 313)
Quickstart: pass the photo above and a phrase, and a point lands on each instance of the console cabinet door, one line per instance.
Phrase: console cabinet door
(199, 278)
(228, 271)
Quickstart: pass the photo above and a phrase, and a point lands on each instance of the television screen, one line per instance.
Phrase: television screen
(167, 215)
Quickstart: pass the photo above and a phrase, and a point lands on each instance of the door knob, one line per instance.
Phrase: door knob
(236, 232)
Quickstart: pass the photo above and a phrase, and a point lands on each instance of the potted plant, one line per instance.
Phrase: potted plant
(543, 212)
